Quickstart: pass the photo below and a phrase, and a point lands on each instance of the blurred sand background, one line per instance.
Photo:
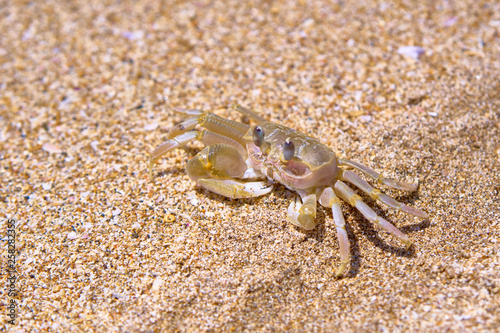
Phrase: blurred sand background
(101, 247)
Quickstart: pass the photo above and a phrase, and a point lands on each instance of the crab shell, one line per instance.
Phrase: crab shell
(313, 164)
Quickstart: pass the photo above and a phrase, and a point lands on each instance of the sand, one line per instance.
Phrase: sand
(102, 247)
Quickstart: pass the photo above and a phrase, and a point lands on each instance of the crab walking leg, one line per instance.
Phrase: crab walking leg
(249, 113)
(378, 177)
(330, 200)
(302, 213)
(215, 168)
(169, 145)
(346, 193)
(216, 130)
(376, 194)
(210, 138)
(185, 126)
(211, 122)
(207, 137)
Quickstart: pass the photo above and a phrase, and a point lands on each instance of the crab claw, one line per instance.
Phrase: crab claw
(235, 189)
(303, 214)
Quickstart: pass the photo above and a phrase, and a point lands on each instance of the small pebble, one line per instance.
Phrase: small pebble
(169, 218)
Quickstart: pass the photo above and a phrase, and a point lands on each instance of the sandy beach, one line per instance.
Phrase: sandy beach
(411, 90)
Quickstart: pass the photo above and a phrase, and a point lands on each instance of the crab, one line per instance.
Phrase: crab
(239, 157)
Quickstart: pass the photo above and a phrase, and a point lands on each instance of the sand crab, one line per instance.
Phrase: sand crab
(240, 157)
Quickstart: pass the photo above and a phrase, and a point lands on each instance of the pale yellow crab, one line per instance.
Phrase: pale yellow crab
(239, 157)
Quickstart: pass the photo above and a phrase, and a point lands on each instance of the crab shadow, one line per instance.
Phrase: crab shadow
(325, 226)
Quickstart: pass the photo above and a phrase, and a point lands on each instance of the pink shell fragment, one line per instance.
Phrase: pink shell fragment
(50, 148)
(451, 21)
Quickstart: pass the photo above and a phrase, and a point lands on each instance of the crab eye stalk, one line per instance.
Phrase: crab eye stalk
(258, 136)
(288, 149)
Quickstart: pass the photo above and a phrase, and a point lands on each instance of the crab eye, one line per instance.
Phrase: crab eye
(258, 136)
(288, 149)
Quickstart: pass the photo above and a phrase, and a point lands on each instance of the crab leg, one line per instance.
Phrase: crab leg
(346, 193)
(249, 113)
(207, 137)
(375, 194)
(169, 145)
(215, 168)
(218, 130)
(330, 200)
(378, 177)
(210, 138)
(212, 122)
(303, 212)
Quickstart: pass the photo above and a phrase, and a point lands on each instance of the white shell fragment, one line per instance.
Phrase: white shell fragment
(158, 282)
(411, 51)
(72, 235)
(133, 35)
(151, 127)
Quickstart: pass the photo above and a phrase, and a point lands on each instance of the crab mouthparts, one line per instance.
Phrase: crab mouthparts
(297, 168)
